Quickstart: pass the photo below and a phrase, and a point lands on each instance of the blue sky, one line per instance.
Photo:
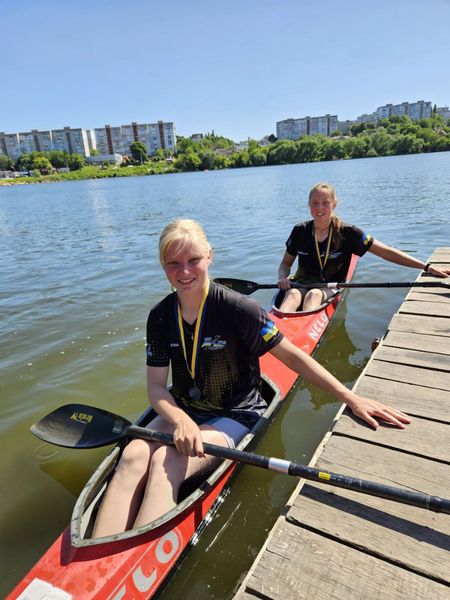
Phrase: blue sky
(234, 67)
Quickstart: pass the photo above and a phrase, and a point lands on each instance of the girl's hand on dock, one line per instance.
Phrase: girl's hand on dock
(367, 409)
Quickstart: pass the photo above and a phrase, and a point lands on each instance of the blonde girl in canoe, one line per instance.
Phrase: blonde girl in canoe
(324, 246)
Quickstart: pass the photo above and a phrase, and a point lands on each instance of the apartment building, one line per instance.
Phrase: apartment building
(117, 140)
(70, 140)
(292, 129)
(107, 139)
(444, 111)
(415, 110)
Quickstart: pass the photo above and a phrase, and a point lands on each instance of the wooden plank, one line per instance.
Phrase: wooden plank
(440, 255)
(299, 564)
(416, 341)
(416, 358)
(418, 438)
(408, 374)
(437, 295)
(433, 309)
(409, 536)
(412, 399)
(420, 324)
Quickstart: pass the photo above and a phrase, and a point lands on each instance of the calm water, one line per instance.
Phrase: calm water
(79, 271)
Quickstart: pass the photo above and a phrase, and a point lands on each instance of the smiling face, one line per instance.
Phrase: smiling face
(186, 267)
(322, 204)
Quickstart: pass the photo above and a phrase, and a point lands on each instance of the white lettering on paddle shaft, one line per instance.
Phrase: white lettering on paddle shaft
(42, 590)
(318, 326)
(137, 581)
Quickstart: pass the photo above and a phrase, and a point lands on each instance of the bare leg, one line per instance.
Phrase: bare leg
(313, 299)
(123, 496)
(292, 300)
(168, 470)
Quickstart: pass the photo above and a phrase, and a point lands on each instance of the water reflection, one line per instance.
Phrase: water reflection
(104, 219)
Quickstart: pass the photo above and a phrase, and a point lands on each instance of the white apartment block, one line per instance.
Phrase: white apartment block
(367, 118)
(292, 129)
(117, 140)
(107, 140)
(444, 111)
(415, 110)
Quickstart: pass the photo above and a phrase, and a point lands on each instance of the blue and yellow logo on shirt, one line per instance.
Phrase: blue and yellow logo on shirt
(366, 239)
(268, 331)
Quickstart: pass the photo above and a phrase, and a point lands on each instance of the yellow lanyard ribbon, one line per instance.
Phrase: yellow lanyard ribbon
(330, 235)
(198, 325)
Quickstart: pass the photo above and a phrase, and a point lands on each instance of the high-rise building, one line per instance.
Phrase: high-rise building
(153, 135)
(292, 129)
(107, 139)
(415, 110)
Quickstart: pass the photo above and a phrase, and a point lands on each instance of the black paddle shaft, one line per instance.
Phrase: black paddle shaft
(81, 426)
(246, 287)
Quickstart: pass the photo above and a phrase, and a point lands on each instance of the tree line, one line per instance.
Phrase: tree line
(389, 137)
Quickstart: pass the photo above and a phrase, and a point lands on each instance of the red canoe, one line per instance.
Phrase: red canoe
(133, 565)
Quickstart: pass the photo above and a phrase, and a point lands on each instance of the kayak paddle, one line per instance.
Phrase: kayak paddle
(248, 287)
(81, 426)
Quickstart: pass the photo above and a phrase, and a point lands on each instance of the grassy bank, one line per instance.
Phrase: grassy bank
(94, 172)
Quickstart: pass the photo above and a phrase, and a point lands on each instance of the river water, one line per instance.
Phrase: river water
(79, 272)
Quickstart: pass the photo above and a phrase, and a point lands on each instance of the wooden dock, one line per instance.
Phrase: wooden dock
(332, 543)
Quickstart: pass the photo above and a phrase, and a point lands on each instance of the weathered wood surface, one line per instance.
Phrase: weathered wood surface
(334, 543)
(415, 358)
(419, 440)
(423, 342)
(310, 566)
(412, 537)
(416, 400)
(407, 374)
(420, 324)
(431, 309)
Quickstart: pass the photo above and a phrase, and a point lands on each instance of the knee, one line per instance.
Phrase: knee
(315, 296)
(294, 294)
(135, 457)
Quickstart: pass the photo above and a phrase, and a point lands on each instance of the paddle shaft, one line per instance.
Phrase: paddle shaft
(418, 499)
(248, 287)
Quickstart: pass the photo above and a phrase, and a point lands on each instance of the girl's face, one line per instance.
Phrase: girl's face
(187, 269)
(321, 206)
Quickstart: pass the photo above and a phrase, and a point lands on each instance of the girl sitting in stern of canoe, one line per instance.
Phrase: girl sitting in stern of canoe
(212, 338)
(324, 247)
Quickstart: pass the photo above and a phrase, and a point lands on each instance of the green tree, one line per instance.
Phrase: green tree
(310, 148)
(190, 161)
(257, 157)
(138, 152)
(282, 153)
(58, 158)
(41, 164)
(381, 142)
(76, 162)
(406, 144)
(6, 164)
(158, 155)
(208, 160)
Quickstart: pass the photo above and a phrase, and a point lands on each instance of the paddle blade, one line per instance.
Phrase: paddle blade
(81, 426)
(238, 285)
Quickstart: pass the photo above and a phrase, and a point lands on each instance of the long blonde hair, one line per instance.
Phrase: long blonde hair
(185, 232)
(335, 220)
